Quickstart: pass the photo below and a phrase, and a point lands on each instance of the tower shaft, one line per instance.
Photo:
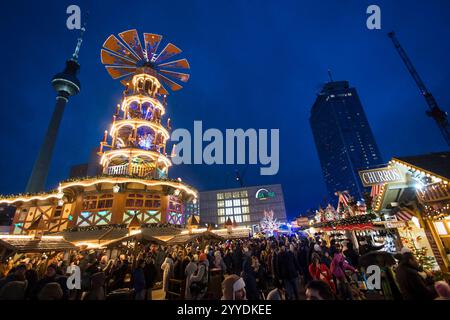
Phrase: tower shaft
(36, 182)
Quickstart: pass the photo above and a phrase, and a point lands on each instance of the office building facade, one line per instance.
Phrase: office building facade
(245, 206)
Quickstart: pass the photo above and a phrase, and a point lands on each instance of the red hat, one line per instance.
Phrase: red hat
(202, 257)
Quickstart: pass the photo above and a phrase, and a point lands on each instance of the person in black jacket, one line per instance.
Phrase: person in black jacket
(288, 271)
(412, 284)
(351, 255)
(248, 274)
(150, 273)
(237, 257)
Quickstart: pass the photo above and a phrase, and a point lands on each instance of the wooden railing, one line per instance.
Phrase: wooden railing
(138, 170)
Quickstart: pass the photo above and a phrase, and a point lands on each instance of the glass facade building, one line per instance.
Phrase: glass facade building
(343, 138)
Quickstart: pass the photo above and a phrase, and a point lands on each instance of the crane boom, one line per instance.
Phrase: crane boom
(439, 116)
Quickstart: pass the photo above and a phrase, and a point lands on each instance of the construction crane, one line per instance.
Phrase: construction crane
(439, 116)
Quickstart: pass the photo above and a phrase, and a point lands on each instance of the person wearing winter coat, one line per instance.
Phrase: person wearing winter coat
(338, 267)
(139, 285)
(199, 280)
(237, 258)
(352, 255)
(191, 268)
(233, 288)
(319, 271)
(412, 284)
(248, 274)
(288, 272)
(218, 261)
(13, 290)
(167, 268)
(97, 290)
(150, 274)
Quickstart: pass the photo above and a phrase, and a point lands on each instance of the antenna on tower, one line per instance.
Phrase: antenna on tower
(330, 75)
(80, 39)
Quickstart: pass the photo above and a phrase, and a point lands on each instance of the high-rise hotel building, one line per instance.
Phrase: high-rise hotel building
(344, 141)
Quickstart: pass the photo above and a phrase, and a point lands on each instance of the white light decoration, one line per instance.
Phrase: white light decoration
(116, 188)
(60, 202)
(269, 224)
(416, 222)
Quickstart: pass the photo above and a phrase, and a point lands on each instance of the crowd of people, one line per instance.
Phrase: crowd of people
(282, 268)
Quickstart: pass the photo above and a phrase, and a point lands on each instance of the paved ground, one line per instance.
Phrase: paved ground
(158, 294)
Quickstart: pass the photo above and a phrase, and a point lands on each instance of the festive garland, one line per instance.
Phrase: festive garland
(102, 176)
(122, 226)
(354, 220)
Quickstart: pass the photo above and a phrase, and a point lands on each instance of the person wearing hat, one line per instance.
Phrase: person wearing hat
(199, 280)
(233, 288)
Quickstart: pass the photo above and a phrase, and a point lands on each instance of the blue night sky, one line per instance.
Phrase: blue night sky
(254, 64)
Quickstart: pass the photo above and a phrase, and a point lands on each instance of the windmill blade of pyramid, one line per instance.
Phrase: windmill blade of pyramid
(113, 59)
(115, 45)
(162, 90)
(184, 77)
(168, 52)
(131, 39)
(151, 42)
(126, 80)
(172, 85)
(177, 64)
(117, 72)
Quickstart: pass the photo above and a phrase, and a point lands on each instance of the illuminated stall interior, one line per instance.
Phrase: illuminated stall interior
(421, 204)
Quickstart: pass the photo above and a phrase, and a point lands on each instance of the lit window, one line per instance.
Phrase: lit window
(238, 218)
(228, 203)
(245, 210)
(220, 212)
(237, 210)
(219, 196)
(441, 228)
(220, 204)
(236, 194)
(244, 202)
(236, 202)
(222, 220)
(227, 195)
(244, 194)
(229, 211)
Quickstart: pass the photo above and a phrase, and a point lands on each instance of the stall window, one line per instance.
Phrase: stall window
(58, 212)
(440, 226)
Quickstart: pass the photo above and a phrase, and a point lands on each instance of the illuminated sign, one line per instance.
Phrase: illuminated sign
(263, 194)
(380, 176)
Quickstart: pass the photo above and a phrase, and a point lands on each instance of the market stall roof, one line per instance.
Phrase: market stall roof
(103, 235)
(30, 245)
(143, 235)
(185, 238)
(436, 163)
(237, 233)
(91, 235)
